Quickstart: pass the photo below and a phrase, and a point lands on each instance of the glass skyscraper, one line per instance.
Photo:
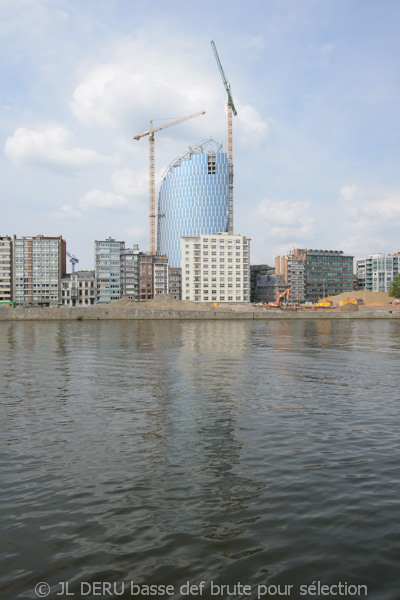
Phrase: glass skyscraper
(193, 199)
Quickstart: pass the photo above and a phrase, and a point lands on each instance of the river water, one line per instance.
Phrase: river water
(258, 454)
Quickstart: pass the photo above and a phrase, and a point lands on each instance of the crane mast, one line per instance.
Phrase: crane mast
(73, 260)
(231, 111)
(152, 183)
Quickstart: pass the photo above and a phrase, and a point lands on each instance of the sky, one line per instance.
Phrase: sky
(315, 142)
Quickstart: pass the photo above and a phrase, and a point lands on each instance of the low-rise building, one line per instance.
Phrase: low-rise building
(215, 268)
(79, 288)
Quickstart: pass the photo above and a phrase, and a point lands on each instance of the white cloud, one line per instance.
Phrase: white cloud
(127, 89)
(136, 233)
(128, 183)
(51, 148)
(252, 129)
(67, 212)
(285, 220)
(372, 220)
(139, 81)
(99, 200)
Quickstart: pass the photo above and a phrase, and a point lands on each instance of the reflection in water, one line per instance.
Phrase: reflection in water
(162, 452)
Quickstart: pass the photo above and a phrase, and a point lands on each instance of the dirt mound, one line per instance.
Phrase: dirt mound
(123, 302)
(349, 308)
(160, 302)
(168, 302)
(371, 298)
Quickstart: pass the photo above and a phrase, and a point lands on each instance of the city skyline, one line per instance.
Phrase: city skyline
(314, 142)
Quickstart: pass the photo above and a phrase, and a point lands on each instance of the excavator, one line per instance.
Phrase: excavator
(276, 304)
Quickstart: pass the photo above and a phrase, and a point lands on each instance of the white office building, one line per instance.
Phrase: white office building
(216, 268)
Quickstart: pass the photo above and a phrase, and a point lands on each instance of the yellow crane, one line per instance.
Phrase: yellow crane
(231, 111)
(152, 184)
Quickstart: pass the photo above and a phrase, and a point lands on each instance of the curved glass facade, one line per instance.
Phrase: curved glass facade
(193, 200)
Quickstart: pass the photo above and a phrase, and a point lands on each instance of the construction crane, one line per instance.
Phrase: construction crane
(231, 111)
(73, 260)
(152, 185)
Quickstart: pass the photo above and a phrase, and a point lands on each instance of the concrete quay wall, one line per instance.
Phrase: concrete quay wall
(108, 313)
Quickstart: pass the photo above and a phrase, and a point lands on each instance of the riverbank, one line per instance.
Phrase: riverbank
(142, 312)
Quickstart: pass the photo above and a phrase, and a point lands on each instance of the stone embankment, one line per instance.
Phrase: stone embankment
(163, 308)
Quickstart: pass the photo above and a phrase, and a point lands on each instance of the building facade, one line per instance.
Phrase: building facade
(146, 276)
(5, 268)
(109, 270)
(216, 268)
(193, 199)
(38, 265)
(314, 274)
(160, 275)
(131, 272)
(78, 289)
(175, 282)
(153, 275)
(265, 285)
(376, 273)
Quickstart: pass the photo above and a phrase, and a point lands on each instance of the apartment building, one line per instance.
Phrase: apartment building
(376, 273)
(109, 270)
(153, 275)
(175, 282)
(38, 265)
(131, 272)
(5, 269)
(160, 275)
(216, 268)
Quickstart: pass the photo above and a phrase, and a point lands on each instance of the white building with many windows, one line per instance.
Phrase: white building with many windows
(5, 269)
(215, 268)
(377, 272)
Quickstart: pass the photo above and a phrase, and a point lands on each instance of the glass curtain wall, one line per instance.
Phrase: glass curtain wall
(193, 199)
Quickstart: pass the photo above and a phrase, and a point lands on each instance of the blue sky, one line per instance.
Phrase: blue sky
(316, 138)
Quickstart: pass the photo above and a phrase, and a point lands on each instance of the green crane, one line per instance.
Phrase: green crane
(231, 111)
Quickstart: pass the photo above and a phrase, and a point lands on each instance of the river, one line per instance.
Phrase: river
(197, 455)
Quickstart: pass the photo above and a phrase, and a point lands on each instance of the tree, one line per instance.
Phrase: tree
(394, 290)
